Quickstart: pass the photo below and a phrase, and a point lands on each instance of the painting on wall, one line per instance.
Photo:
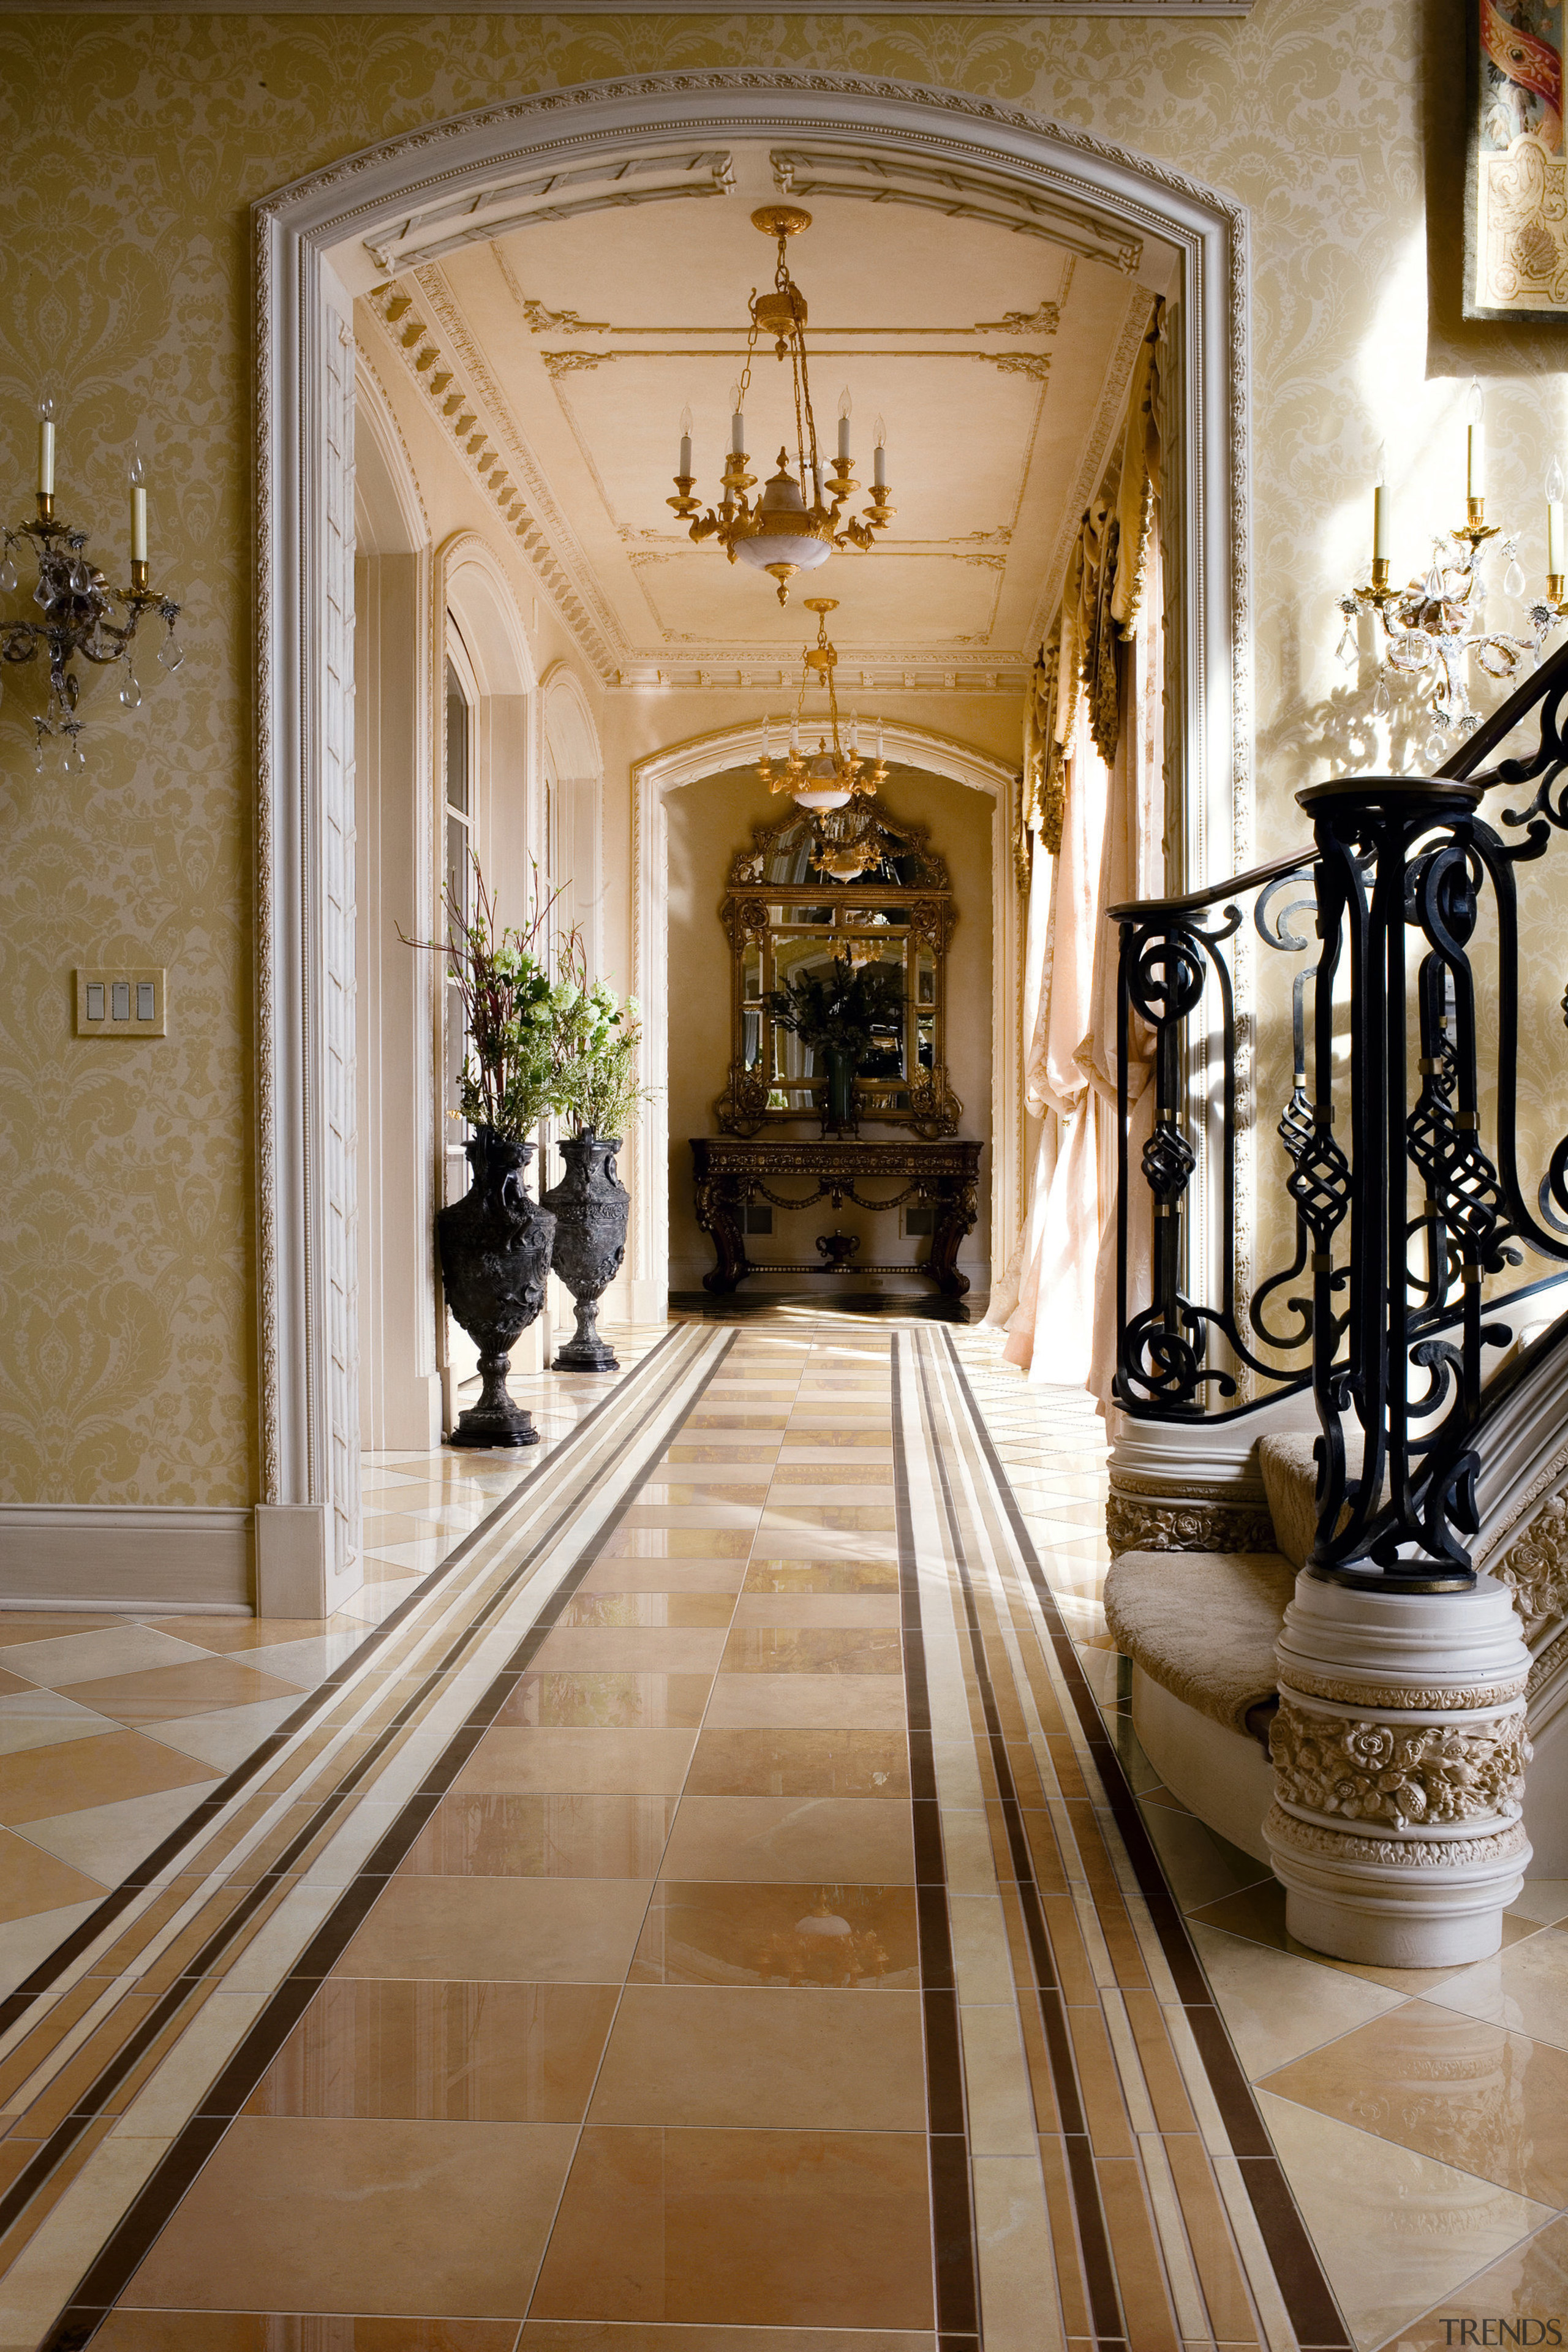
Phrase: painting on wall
(1515, 225)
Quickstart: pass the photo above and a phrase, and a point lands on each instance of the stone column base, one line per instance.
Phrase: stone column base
(1399, 1753)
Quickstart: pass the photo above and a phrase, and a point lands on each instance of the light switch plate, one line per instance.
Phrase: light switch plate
(123, 1004)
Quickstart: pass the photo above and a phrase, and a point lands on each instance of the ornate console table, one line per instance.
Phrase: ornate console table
(734, 1171)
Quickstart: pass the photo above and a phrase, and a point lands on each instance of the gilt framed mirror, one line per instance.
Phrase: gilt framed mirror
(852, 883)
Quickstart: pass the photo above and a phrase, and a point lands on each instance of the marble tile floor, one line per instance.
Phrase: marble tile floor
(723, 1908)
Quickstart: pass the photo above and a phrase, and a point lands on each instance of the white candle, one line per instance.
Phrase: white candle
(46, 446)
(879, 460)
(844, 426)
(1381, 512)
(136, 474)
(686, 443)
(737, 423)
(1554, 491)
(1476, 444)
(854, 732)
(879, 740)
(794, 733)
(767, 738)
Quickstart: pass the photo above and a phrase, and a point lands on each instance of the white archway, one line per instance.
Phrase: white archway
(574, 778)
(609, 143)
(663, 772)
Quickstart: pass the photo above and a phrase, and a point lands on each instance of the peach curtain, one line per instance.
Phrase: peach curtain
(1093, 796)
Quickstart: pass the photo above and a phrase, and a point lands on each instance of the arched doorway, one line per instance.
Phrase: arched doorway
(650, 139)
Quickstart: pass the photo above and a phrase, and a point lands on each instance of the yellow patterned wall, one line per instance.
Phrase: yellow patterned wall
(133, 146)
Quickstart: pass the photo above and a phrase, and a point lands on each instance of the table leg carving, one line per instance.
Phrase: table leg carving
(719, 1214)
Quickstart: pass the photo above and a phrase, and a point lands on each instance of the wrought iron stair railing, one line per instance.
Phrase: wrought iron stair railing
(1405, 1224)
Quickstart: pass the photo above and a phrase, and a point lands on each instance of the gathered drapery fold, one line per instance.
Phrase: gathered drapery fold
(1093, 807)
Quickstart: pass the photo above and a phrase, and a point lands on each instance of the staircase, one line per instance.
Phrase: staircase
(1339, 1508)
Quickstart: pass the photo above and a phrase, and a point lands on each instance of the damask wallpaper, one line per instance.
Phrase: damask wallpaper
(133, 146)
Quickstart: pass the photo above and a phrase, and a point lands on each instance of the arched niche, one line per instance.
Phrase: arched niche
(654, 779)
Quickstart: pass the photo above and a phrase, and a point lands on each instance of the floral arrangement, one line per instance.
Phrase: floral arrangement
(839, 1012)
(595, 1037)
(509, 1076)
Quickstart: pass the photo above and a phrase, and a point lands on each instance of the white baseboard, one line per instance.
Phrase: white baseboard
(125, 1557)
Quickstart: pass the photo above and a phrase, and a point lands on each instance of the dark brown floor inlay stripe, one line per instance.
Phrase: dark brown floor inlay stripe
(118, 2260)
(14, 2005)
(1098, 2270)
(955, 2254)
(1314, 2313)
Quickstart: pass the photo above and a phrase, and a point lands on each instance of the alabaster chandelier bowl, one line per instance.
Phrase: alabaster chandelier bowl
(801, 515)
(836, 772)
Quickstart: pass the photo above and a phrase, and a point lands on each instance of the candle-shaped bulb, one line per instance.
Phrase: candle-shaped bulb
(844, 406)
(685, 467)
(767, 738)
(737, 423)
(46, 445)
(136, 476)
(1382, 511)
(879, 458)
(878, 741)
(1475, 443)
(1554, 536)
(686, 418)
(795, 732)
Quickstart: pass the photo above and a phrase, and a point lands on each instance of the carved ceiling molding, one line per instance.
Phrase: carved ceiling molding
(1091, 465)
(958, 194)
(474, 421)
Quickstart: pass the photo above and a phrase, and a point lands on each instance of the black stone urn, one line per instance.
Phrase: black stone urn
(591, 1207)
(495, 1245)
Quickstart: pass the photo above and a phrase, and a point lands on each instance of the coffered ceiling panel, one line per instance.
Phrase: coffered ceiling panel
(560, 353)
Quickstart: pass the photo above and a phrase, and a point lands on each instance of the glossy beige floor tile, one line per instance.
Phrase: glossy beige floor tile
(816, 2061)
(761, 2229)
(1529, 2285)
(570, 1758)
(322, 2215)
(32, 1879)
(1525, 1988)
(663, 1575)
(832, 1575)
(764, 1933)
(247, 2331)
(1257, 1913)
(512, 1930)
(784, 1763)
(612, 1649)
(638, 1609)
(1393, 2230)
(42, 1783)
(608, 1701)
(120, 1649)
(807, 1702)
(481, 2053)
(1277, 2007)
(814, 1650)
(108, 1840)
(473, 1835)
(819, 1611)
(678, 1543)
(199, 1687)
(802, 1839)
(1474, 2095)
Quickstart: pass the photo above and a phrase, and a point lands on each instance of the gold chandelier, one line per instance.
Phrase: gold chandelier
(780, 533)
(829, 778)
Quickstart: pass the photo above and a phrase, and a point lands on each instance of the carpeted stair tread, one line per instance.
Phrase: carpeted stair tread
(1203, 1624)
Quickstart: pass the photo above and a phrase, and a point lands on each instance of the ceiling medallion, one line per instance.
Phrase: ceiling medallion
(780, 533)
(832, 778)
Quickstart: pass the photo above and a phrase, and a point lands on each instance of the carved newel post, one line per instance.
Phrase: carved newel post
(1399, 1754)
(1399, 1748)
